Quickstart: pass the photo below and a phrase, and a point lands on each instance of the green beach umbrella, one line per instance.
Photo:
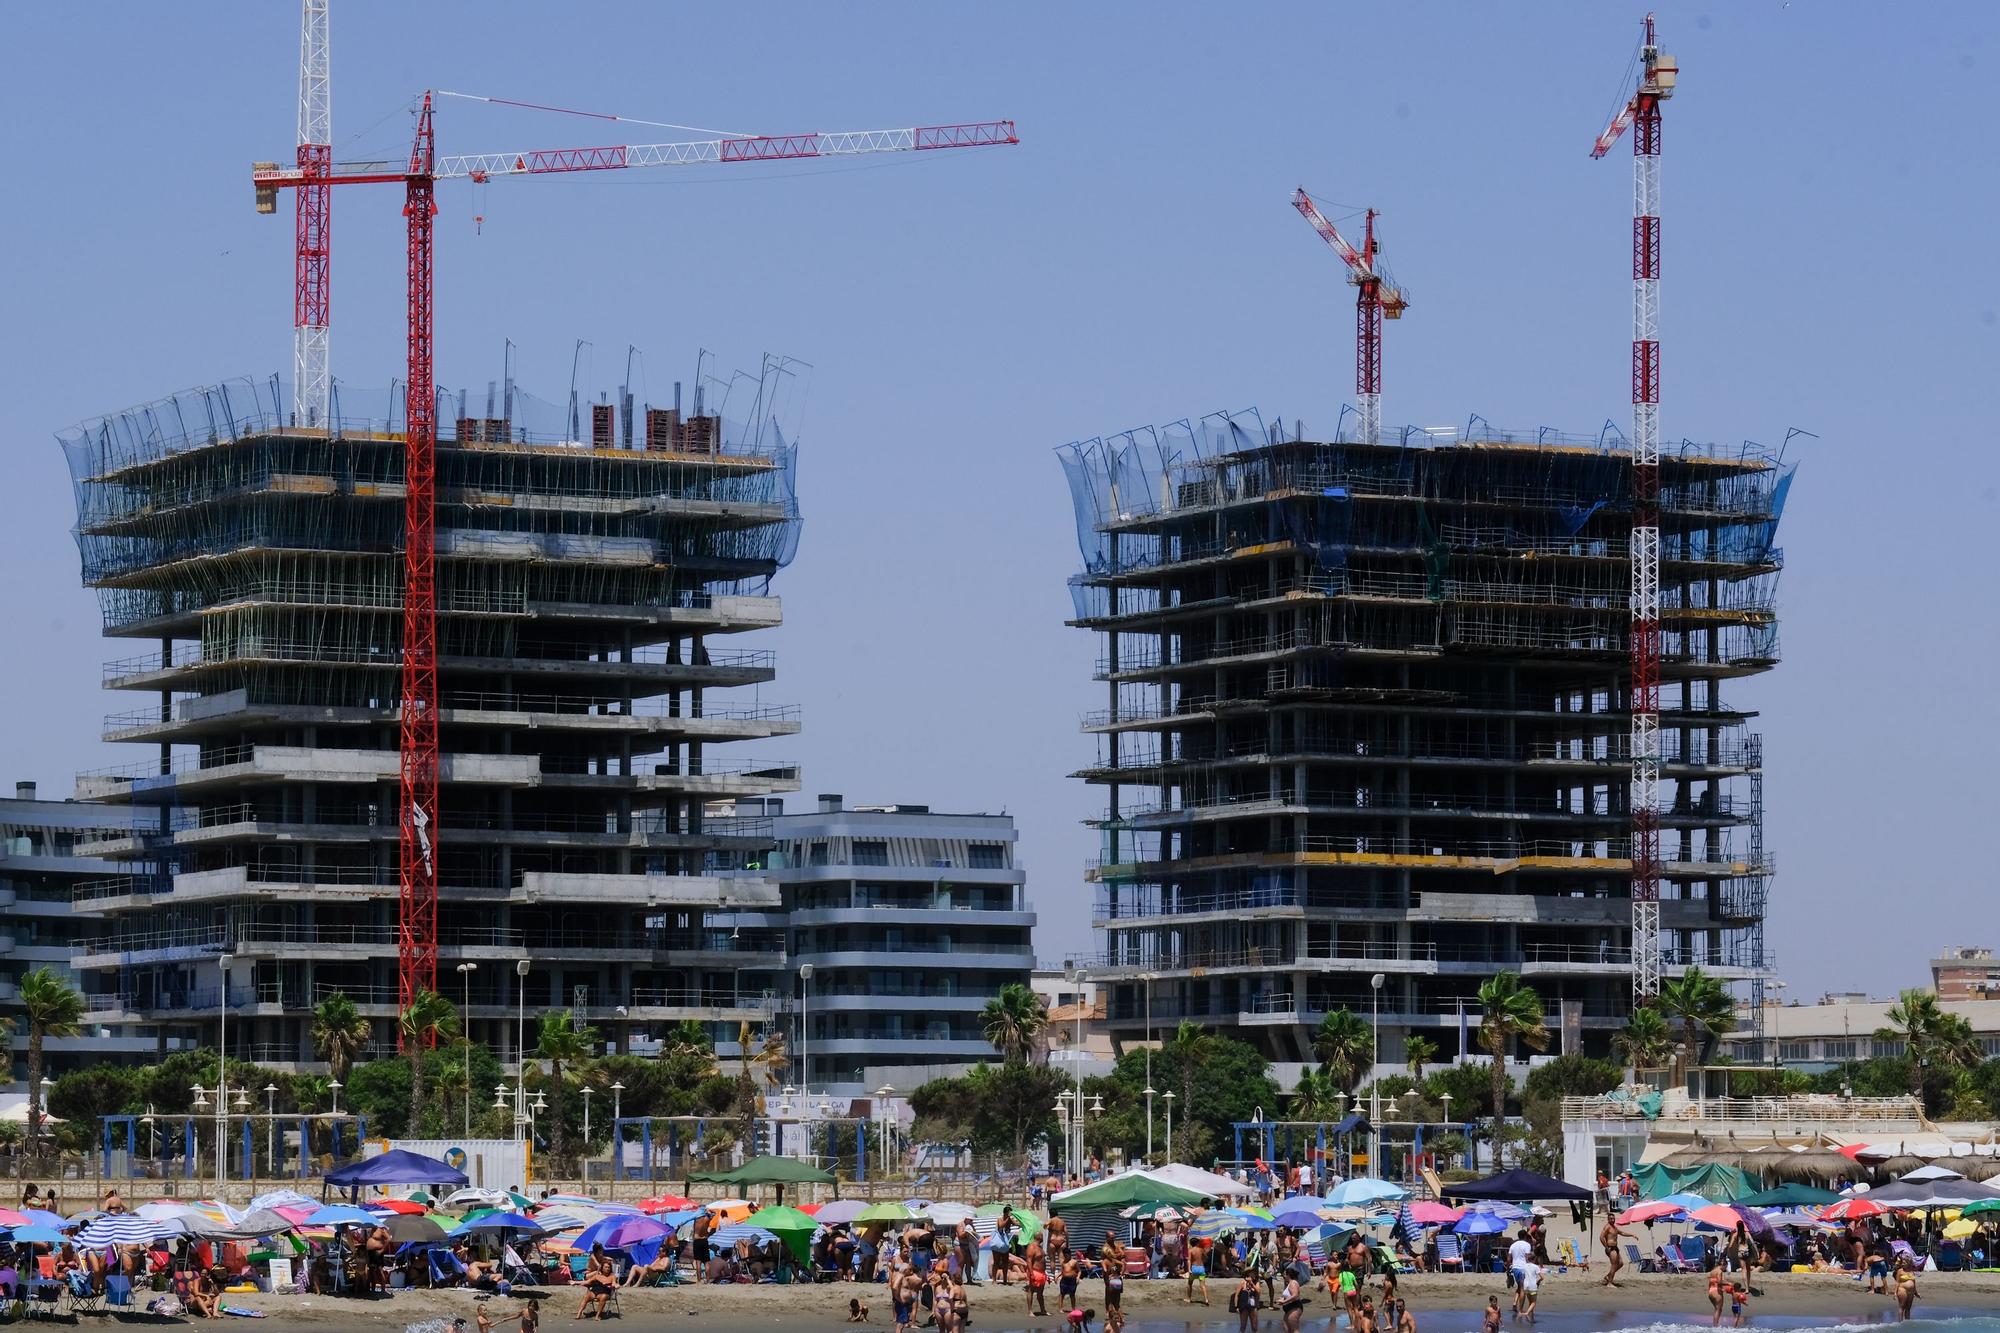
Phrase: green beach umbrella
(1030, 1225)
(788, 1225)
(884, 1212)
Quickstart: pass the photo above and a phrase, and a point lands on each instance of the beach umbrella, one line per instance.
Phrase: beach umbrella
(918, 1205)
(1214, 1224)
(1027, 1225)
(733, 1209)
(884, 1212)
(789, 1225)
(497, 1222)
(1653, 1211)
(340, 1215)
(36, 1233)
(1154, 1212)
(1297, 1217)
(618, 1233)
(665, 1203)
(10, 1218)
(839, 1211)
(1686, 1202)
(87, 1215)
(404, 1228)
(573, 1218)
(1960, 1229)
(124, 1229)
(1847, 1210)
(162, 1211)
(403, 1206)
(1480, 1224)
(1364, 1190)
(1430, 1213)
(1780, 1218)
(474, 1196)
(1979, 1206)
(683, 1218)
(556, 1200)
(42, 1217)
(1725, 1216)
(735, 1231)
(275, 1199)
(1791, 1195)
(950, 1214)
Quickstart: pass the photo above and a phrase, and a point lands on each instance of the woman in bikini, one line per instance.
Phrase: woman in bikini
(1906, 1285)
(1113, 1255)
(1715, 1294)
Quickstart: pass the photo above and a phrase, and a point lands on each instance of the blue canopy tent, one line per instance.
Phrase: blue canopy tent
(395, 1167)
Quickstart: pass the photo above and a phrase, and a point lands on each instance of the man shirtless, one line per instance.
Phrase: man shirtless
(1037, 1280)
(1607, 1240)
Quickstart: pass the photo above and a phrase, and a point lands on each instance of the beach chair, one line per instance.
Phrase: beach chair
(1692, 1255)
(1638, 1260)
(84, 1298)
(1138, 1264)
(117, 1289)
(446, 1269)
(1449, 1253)
(1950, 1256)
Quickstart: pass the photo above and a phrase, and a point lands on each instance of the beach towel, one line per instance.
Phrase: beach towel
(241, 1313)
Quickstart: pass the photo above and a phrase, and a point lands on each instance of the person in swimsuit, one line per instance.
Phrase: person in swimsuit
(1490, 1323)
(1038, 1279)
(599, 1282)
(1292, 1302)
(1607, 1240)
(1244, 1301)
(1113, 1255)
(1716, 1295)
(1350, 1293)
(1906, 1287)
(1197, 1273)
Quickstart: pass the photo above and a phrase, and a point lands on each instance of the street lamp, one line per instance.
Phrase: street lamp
(201, 1104)
(586, 1117)
(1149, 1066)
(465, 971)
(499, 1096)
(882, 1096)
(222, 1070)
(334, 1088)
(805, 1027)
(1374, 1082)
(1149, 1120)
(1170, 1124)
(521, 1043)
(271, 1126)
(1073, 974)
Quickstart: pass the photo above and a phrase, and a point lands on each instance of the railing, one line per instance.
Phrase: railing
(613, 706)
(1387, 951)
(1472, 848)
(1383, 802)
(654, 655)
(644, 997)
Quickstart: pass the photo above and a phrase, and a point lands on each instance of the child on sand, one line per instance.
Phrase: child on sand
(1079, 1320)
(531, 1317)
(857, 1313)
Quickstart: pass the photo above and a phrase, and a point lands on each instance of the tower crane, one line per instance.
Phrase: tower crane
(1376, 297)
(311, 178)
(1641, 115)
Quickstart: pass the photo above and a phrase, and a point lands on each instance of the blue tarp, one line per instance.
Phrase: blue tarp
(396, 1167)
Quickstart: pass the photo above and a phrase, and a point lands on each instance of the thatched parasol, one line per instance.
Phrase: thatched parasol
(1891, 1167)
(1811, 1165)
(1977, 1168)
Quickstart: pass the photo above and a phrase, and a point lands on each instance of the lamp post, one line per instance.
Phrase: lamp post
(882, 1096)
(201, 1104)
(586, 1117)
(1445, 1097)
(334, 1088)
(1170, 1124)
(152, 1134)
(1063, 1102)
(1073, 974)
(1149, 1066)
(521, 1046)
(222, 1071)
(805, 1029)
(465, 971)
(271, 1126)
(1375, 1083)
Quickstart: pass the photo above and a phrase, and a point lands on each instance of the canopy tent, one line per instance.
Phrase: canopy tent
(768, 1171)
(1517, 1183)
(1124, 1190)
(398, 1166)
(1713, 1180)
(1209, 1183)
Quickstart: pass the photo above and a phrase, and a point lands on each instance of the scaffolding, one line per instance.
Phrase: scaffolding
(1366, 704)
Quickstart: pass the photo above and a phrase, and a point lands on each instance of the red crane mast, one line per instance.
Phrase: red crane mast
(312, 179)
(1376, 297)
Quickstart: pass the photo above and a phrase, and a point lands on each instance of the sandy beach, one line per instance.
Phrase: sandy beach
(1444, 1301)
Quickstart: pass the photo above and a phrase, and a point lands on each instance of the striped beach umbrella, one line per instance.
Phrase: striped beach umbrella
(125, 1229)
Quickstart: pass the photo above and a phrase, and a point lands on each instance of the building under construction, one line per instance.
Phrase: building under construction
(590, 564)
(1365, 739)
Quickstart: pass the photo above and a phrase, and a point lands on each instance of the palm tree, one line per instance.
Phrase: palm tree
(1511, 1011)
(1192, 1046)
(429, 1019)
(1014, 1020)
(1932, 1038)
(561, 1042)
(339, 1034)
(1418, 1052)
(1703, 1007)
(1317, 1096)
(54, 1009)
(1646, 1042)
(1345, 1045)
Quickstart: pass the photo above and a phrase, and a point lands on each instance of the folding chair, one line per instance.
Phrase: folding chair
(1449, 1253)
(84, 1298)
(1638, 1260)
(117, 1289)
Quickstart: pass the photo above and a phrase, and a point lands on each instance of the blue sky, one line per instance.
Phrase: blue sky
(1829, 199)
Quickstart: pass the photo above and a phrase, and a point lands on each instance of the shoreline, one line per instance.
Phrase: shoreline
(1437, 1301)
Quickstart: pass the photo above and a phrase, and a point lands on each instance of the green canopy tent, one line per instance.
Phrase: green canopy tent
(778, 1171)
(1122, 1192)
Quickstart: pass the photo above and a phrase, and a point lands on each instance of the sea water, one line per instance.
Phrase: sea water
(1941, 1320)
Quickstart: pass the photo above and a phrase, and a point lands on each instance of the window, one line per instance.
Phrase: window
(867, 853)
(987, 856)
(1842, 1049)
(816, 854)
(1887, 1048)
(1795, 1050)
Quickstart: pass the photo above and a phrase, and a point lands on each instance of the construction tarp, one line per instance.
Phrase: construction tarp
(1711, 1180)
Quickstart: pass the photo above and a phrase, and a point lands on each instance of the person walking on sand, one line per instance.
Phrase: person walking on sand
(1037, 1281)
(1607, 1240)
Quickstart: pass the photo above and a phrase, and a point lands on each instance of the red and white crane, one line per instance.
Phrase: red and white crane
(1657, 74)
(1376, 297)
(312, 179)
